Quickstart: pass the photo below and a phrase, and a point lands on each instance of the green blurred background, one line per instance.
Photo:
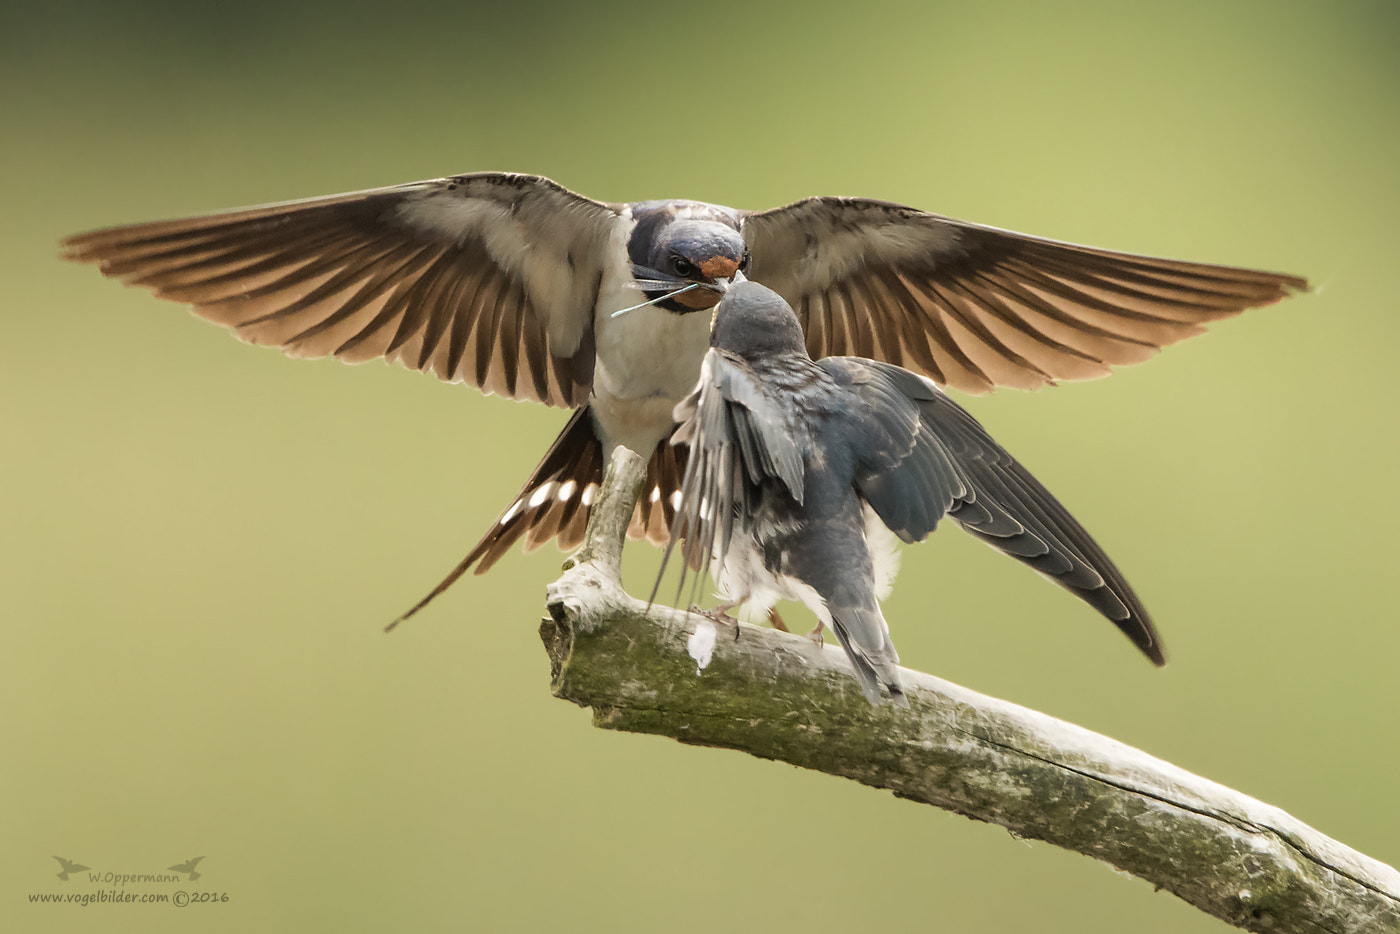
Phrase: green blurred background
(202, 539)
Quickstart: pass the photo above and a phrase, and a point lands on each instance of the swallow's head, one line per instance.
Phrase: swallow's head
(676, 244)
(754, 321)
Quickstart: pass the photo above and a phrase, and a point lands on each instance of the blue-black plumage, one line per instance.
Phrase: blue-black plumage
(787, 456)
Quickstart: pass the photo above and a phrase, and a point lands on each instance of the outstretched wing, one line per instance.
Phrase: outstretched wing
(488, 279)
(976, 307)
(953, 467)
(741, 446)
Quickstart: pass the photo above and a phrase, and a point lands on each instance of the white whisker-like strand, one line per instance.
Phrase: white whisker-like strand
(661, 298)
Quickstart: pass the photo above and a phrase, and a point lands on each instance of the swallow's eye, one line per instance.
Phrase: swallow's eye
(744, 262)
(682, 266)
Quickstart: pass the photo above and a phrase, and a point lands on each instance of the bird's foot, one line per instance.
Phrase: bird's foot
(816, 635)
(776, 621)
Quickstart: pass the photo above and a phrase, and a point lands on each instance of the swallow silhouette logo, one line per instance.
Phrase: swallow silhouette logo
(68, 866)
(188, 866)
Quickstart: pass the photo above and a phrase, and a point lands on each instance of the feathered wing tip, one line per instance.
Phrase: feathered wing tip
(976, 307)
(555, 503)
(1044, 535)
(696, 440)
(690, 524)
(955, 468)
(1013, 512)
(425, 274)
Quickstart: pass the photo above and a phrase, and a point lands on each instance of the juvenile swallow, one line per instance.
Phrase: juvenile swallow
(797, 467)
(516, 285)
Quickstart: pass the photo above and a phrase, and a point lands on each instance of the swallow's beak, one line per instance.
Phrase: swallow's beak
(724, 275)
(724, 285)
(721, 274)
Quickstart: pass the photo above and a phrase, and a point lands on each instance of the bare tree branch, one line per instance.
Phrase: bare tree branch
(779, 696)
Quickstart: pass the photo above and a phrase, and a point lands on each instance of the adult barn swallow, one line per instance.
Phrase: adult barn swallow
(796, 466)
(513, 284)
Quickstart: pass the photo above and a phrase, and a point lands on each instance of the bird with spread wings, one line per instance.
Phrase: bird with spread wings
(515, 285)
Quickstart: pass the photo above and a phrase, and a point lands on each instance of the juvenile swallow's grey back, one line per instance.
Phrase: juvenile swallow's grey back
(786, 455)
(512, 283)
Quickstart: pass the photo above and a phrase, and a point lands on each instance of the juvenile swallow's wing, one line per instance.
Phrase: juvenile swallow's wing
(953, 467)
(739, 441)
(976, 307)
(488, 279)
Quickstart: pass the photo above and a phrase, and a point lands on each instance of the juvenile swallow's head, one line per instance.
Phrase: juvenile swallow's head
(676, 244)
(754, 321)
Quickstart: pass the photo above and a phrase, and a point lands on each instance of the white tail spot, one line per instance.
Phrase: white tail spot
(541, 496)
(510, 513)
(566, 490)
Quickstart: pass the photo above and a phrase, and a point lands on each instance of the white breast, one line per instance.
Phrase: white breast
(647, 351)
(647, 359)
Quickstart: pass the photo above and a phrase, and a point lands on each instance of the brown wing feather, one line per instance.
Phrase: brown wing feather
(977, 307)
(656, 509)
(556, 500)
(487, 279)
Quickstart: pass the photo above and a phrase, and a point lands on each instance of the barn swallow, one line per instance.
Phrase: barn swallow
(516, 285)
(799, 471)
